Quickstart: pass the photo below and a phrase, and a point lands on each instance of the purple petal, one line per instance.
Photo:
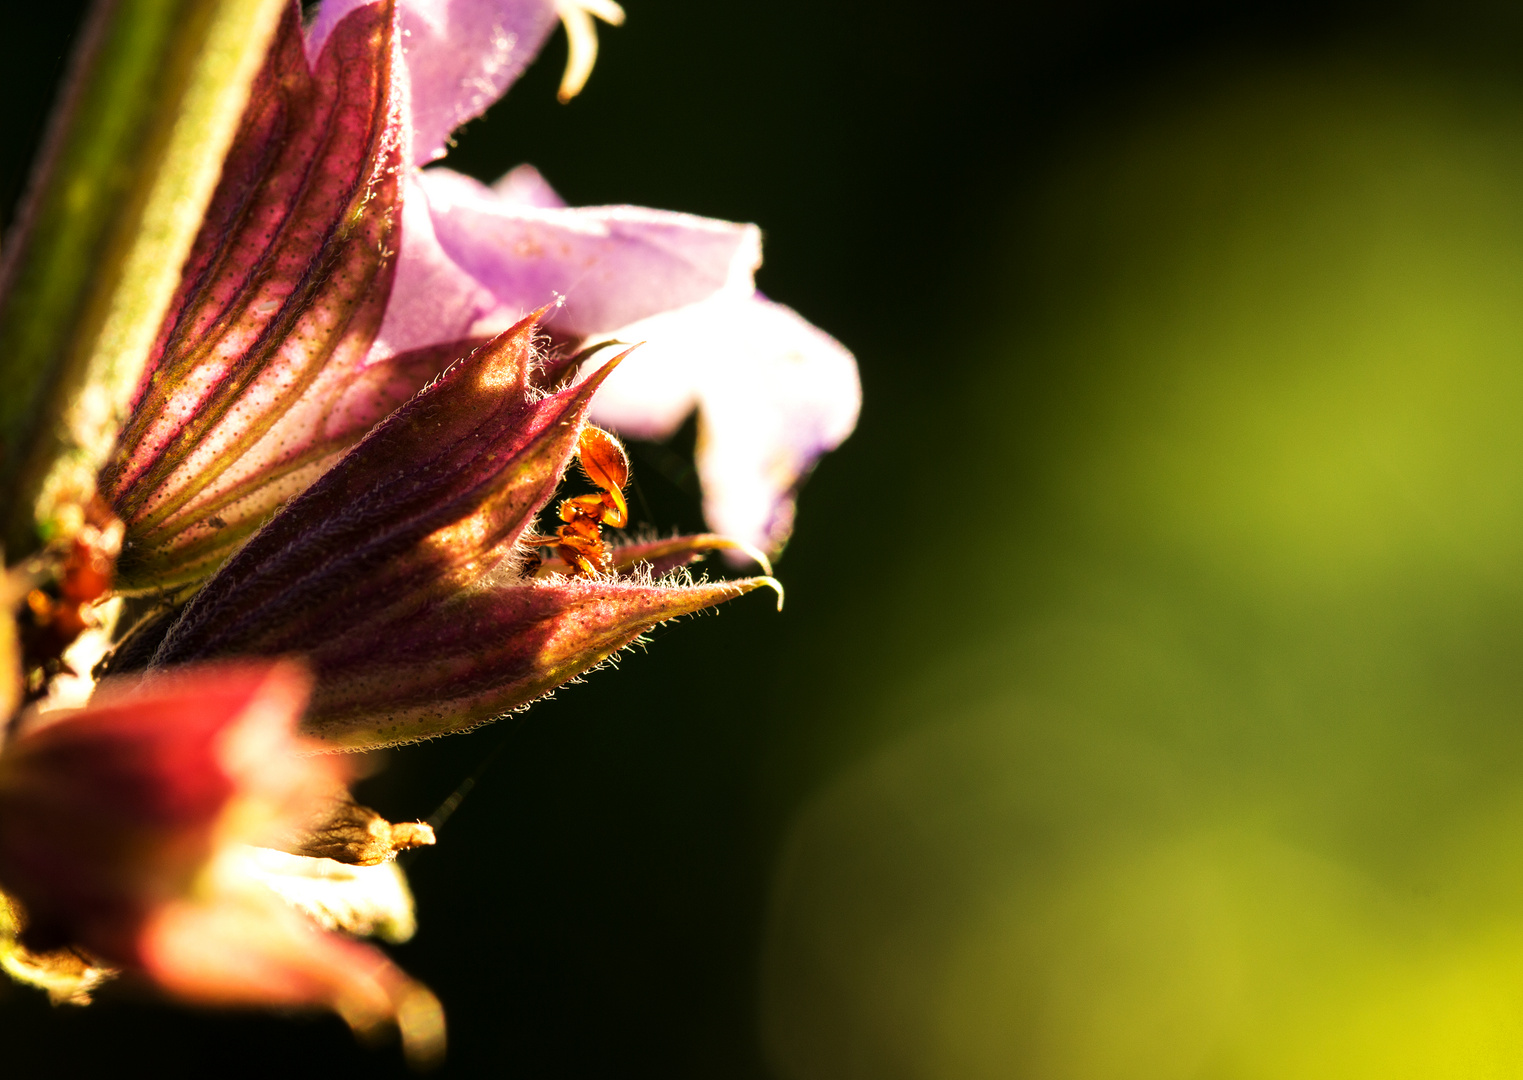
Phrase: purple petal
(279, 303)
(773, 394)
(460, 56)
(433, 299)
(613, 264)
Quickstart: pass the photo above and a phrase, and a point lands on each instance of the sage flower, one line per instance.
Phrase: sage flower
(401, 575)
(772, 392)
(369, 386)
(124, 833)
(333, 278)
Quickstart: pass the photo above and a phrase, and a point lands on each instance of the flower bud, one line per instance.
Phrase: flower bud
(399, 574)
(124, 829)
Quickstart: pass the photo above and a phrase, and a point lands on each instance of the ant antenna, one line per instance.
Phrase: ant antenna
(634, 482)
(448, 807)
(678, 471)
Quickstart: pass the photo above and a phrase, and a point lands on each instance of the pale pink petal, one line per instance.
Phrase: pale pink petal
(524, 186)
(657, 386)
(432, 299)
(253, 953)
(613, 264)
(461, 56)
(773, 394)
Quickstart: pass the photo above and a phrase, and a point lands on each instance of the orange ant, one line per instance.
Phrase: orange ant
(579, 540)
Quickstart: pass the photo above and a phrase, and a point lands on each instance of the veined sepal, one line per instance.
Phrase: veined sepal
(256, 382)
(430, 501)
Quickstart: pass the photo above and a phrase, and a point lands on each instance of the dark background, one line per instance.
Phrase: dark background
(597, 906)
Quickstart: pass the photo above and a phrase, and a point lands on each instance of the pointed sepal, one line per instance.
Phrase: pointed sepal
(475, 657)
(434, 498)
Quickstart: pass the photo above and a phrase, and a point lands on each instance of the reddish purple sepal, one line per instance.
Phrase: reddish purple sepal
(434, 497)
(465, 660)
(258, 380)
(111, 810)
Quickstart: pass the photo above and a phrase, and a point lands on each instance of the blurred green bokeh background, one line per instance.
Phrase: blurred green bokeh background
(1217, 772)
(1147, 703)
